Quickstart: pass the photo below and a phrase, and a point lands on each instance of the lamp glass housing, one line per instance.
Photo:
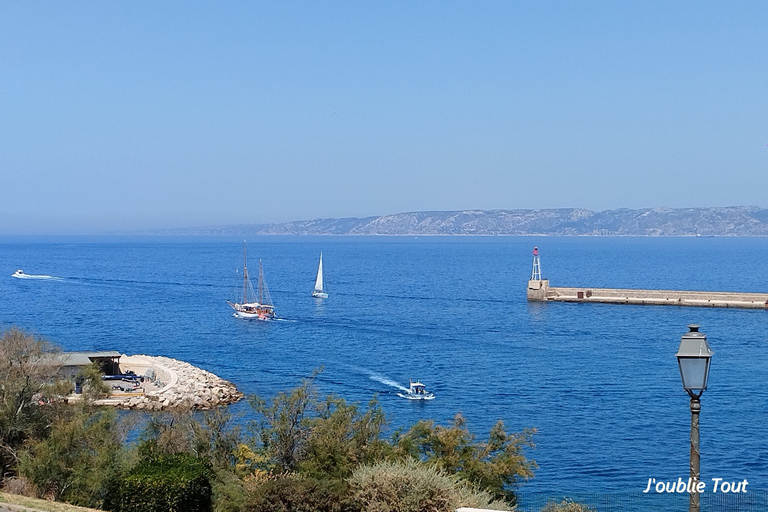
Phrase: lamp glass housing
(694, 357)
(694, 372)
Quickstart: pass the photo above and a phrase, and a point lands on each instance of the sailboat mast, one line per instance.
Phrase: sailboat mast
(261, 285)
(245, 275)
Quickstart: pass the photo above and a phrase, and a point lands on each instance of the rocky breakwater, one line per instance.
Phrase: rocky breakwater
(172, 384)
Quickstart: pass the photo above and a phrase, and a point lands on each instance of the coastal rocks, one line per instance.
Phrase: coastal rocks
(176, 385)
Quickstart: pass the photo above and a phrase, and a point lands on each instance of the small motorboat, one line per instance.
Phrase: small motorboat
(19, 274)
(417, 391)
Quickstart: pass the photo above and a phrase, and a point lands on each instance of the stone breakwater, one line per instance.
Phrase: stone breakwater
(176, 385)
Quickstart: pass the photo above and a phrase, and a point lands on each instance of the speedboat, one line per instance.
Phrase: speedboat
(417, 391)
(19, 273)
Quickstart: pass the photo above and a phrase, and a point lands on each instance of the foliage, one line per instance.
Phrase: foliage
(412, 486)
(323, 439)
(342, 438)
(293, 493)
(282, 429)
(93, 385)
(228, 492)
(179, 482)
(566, 505)
(29, 401)
(494, 465)
(76, 462)
(211, 435)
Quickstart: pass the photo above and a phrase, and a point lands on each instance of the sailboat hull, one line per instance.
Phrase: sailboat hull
(319, 295)
(253, 311)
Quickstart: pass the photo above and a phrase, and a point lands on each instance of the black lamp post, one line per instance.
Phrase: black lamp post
(694, 356)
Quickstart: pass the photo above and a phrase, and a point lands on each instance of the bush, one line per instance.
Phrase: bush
(77, 461)
(290, 493)
(228, 492)
(168, 483)
(415, 487)
(566, 505)
(26, 366)
(496, 465)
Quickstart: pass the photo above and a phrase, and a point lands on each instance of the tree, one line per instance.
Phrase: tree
(495, 465)
(30, 400)
(328, 439)
(341, 438)
(78, 460)
(281, 430)
(212, 436)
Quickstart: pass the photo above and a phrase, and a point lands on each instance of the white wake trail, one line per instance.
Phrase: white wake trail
(387, 381)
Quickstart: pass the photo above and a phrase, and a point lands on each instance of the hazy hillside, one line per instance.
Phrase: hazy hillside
(729, 221)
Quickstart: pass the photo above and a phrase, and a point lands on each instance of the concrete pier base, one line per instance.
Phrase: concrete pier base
(541, 291)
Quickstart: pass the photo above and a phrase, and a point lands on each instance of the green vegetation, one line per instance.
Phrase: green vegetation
(411, 486)
(566, 505)
(28, 401)
(300, 453)
(162, 483)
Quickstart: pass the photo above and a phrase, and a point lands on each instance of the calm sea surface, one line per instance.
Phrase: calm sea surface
(599, 382)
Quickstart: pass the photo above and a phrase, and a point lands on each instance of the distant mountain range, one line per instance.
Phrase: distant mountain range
(728, 221)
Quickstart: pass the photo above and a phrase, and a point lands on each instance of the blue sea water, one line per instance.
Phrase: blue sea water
(599, 382)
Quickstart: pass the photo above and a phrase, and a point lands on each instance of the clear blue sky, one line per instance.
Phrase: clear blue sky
(141, 114)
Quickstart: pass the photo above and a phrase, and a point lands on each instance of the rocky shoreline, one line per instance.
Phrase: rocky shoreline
(176, 385)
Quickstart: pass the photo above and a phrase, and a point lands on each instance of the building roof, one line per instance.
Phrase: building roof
(86, 358)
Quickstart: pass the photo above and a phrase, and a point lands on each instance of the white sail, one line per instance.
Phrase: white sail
(318, 291)
(319, 280)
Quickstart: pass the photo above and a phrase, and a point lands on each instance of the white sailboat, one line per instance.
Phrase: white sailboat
(262, 309)
(318, 291)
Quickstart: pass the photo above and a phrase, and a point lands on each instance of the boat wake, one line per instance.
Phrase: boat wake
(387, 381)
(38, 277)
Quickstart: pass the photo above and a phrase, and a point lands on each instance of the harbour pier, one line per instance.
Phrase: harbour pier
(539, 290)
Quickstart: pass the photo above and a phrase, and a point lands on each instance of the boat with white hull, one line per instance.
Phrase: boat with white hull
(249, 307)
(417, 391)
(19, 274)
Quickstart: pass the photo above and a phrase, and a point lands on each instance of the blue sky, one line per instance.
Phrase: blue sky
(137, 114)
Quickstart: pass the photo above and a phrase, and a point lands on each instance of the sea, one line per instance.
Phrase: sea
(598, 382)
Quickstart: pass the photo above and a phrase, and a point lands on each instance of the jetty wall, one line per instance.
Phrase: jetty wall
(177, 385)
(541, 291)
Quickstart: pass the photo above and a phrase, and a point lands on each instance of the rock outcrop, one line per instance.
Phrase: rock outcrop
(176, 385)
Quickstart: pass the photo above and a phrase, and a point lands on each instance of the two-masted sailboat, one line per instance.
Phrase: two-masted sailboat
(318, 292)
(261, 309)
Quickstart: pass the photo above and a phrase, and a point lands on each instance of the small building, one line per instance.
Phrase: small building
(73, 362)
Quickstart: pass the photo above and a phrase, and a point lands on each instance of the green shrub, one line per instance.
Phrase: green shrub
(495, 465)
(292, 493)
(566, 505)
(167, 483)
(77, 461)
(228, 492)
(411, 486)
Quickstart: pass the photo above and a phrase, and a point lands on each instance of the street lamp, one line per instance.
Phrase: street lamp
(694, 356)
